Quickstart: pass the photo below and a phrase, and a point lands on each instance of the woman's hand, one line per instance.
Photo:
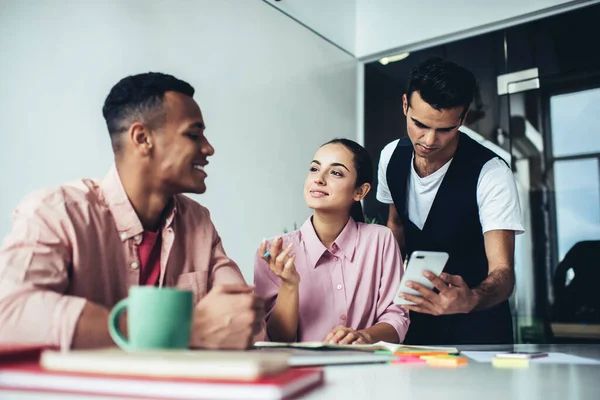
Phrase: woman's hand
(280, 262)
(344, 335)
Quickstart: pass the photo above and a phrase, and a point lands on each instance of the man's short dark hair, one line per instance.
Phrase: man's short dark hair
(139, 98)
(442, 84)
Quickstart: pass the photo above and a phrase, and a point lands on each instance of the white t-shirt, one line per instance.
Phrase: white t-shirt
(497, 196)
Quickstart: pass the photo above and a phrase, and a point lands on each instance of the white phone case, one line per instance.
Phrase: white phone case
(421, 261)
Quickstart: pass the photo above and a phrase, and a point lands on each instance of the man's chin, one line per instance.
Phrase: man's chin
(194, 189)
(199, 190)
(425, 154)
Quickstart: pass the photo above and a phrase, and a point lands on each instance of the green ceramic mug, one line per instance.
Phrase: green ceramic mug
(157, 318)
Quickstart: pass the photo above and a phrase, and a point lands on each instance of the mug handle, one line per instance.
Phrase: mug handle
(113, 324)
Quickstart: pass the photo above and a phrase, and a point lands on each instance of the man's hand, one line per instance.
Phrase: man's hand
(345, 335)
(227, 318)
(455, 296)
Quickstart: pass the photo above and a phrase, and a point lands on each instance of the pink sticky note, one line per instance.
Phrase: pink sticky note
(408, 360)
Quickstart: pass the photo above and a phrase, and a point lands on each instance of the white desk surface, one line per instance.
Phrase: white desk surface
(478, 381)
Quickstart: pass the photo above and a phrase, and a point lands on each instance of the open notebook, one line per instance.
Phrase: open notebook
(393, 347)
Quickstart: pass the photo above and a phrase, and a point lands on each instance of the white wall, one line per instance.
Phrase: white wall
(334, 19)
(271, 93)
(388, 24)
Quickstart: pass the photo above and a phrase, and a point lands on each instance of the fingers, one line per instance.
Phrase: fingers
(421, 305)
(425, 292)
(262, 249)
(418, 309)
(282, 257)
(275, 247)
(234, 288)
(332, 333)
(350, 337)
(413, 298)
(278, 257)
(329, 336)
(289, 268)
(437, 282)
(454, 280)
(360, 340)
(339, 335)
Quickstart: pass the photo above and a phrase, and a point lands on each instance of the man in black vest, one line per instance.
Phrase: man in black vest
(449, 193)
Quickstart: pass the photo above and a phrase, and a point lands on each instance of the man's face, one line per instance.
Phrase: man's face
(432, 132)
(180, 148)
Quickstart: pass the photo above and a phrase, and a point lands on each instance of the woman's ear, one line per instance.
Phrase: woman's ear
(362, 191)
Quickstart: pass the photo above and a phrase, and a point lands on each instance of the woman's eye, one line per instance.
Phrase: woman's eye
(336, 173)
(313, 169)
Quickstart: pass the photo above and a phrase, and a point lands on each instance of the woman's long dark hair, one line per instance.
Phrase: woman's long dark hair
(364, 171)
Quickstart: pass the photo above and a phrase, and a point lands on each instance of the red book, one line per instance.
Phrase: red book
(27, 374)
(18, 353)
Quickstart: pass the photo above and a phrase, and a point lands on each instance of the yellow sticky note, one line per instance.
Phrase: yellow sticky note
(510, 362)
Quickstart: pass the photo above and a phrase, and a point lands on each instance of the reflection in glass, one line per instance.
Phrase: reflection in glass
(577, 185)
(574, 118)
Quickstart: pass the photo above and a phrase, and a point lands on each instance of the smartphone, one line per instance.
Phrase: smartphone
(522, 354)
(421, 261)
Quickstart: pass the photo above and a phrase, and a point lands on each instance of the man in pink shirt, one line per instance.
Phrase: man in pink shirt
(75, 250)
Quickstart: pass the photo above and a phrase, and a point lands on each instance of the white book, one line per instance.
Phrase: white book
(239, 365)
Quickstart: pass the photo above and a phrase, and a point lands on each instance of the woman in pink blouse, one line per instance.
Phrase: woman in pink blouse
(335, 278)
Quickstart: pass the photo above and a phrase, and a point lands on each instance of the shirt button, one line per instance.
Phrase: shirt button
(134, 265)
(339, 287)
(123, 236)
(335, 258)
(343, 317)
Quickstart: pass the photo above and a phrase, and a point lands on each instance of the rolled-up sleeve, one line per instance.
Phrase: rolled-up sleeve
(34, 264)
(387, 311)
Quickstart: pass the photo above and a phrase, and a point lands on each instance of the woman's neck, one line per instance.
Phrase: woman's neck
(328, 226)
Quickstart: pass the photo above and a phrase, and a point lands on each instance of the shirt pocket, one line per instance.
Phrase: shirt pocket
(194, 282)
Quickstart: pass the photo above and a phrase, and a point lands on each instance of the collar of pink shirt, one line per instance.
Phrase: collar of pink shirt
(126, 219)
(345, 242)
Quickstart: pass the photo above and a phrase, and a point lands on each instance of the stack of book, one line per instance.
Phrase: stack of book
(177, 374)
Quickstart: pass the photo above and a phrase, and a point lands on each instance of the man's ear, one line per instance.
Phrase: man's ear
(362, 191)
(140, 138)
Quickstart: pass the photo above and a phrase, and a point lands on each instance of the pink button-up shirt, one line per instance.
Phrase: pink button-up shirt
(79, 242)
(353, 283)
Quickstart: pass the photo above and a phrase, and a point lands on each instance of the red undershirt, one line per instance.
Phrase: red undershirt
(149, 253)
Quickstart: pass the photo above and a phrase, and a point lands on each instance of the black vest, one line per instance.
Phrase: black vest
(452, 226)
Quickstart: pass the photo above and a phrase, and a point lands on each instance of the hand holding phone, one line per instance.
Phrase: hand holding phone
(421, 261)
